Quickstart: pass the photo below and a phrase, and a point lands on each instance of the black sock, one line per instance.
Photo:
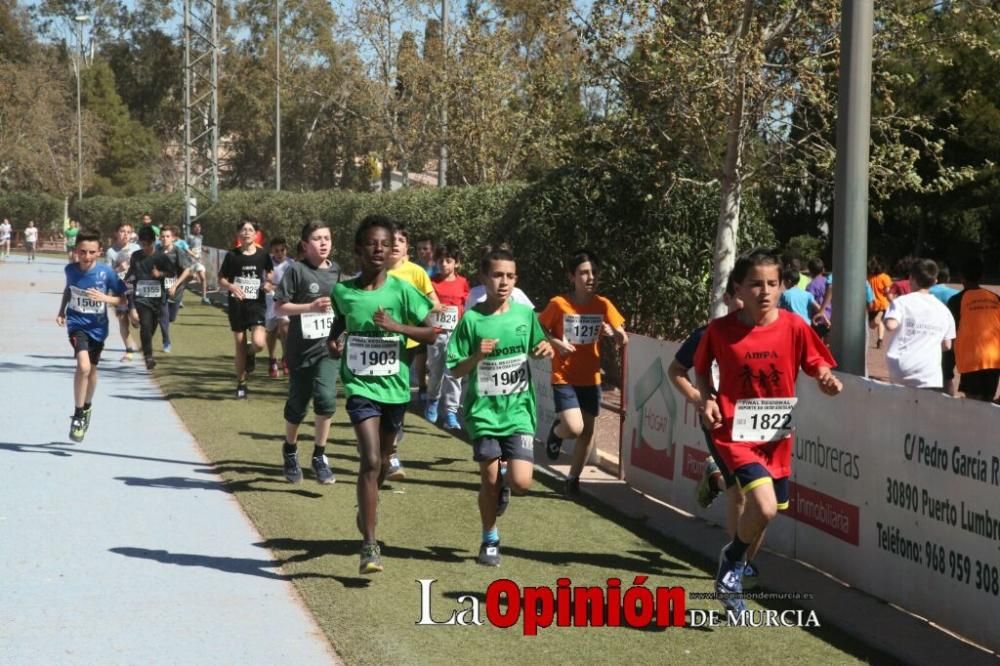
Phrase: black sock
(736, 550)
(78, 412)
(318, 451)
(289, 448)
(86, 406)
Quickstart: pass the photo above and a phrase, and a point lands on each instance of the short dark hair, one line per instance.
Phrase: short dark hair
(121, 225)
(277, 240)
(816, 266)
(902, 267)
(757, 257)
(790, 275)
(491, 256)
(425, 239)
(923, 273)
(582, 256)
(730, 286)
(146, 235)
(401, 230)
(172, 228)
(371, 222)
(972, 269)
(875, 266)
(448, 250)
(245, 221)
(944, 274)
(309, 227)
(88, 234)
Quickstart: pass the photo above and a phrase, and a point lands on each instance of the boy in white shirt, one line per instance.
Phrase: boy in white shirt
(920, 328)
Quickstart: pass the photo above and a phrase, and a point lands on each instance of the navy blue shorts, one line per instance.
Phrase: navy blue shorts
(585, 398)
(752, 475)
(520, 446)
(360, 409)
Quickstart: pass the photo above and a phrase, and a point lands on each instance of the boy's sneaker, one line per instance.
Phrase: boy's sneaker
(324, 475)
(451, 421)
(396, 471)
(150, 363)
(251, 364)
(126, 357)
(205, 300)
(489, 554)
(86, 417)
(431, 412)
(729, 583)
(707, 490)
(77, 429)
(284, 366)
(371, 559)
(272, 370)
(167, 348)
(751, 576)
(241, 391)
(553, 445)
(292, 470)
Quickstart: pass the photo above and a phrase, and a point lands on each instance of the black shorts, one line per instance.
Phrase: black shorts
(360, 409)
(244, 315)
(727, 476)
(948, 365)
(874, 313)
(980, 383)
(586, 398)
(752, 475)
(519, 446)
(80, 341)
(316, 382)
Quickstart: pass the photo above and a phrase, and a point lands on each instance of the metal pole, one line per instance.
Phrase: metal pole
(214, 158)
(79, 113)
(277, 95)
(443, 155)
(187, 117)
(850, 226)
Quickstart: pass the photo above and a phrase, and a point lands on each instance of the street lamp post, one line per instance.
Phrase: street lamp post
(80, 20)
(277, 95)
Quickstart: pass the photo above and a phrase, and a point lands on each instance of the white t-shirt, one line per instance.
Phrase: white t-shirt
(478, 294)
(31, 234)
(4, 231)
(279, 271)
(914, 350)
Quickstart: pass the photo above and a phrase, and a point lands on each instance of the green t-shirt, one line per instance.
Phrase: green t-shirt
(373, 364)
(500, 399)
(71, 233)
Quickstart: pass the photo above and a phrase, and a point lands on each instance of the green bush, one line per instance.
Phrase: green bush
(656, 252)
(21, 207)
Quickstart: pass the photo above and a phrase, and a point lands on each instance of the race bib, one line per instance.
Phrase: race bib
(502, 376)
(763, 419)
(80, 302)
(148, 289)
(168, 282)
(372, 357)
(316, 325)
(249, 285)
(447, 318)
(582, 329)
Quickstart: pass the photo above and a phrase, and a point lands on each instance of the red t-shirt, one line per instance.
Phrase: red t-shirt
(452, 292)
(758, 362)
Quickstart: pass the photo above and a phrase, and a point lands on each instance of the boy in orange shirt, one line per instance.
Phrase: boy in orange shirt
(574, 324)
(881, 284)
(977, 345)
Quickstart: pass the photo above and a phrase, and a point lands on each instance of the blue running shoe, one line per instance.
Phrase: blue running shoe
(431, 411)
(751, 576)
(729, 583)
(451, 421)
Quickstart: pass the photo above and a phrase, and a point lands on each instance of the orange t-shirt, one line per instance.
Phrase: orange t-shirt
(977, 319)
(881, 284)
(580, 325)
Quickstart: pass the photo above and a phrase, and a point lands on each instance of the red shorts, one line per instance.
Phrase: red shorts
(776, 457)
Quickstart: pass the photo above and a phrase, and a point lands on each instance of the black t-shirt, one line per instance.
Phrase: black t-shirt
(304, 283)
(248, 271)
(147, 289)
(179, 260)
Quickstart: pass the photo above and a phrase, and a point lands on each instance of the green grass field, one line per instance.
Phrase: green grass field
(429, 526)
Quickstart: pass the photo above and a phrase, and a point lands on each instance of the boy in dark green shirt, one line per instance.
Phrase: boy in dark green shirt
(491, 345)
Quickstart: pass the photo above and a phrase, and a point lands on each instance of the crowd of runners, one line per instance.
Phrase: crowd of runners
(466, 349)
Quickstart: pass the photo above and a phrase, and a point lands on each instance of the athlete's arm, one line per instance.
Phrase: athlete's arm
(469, 363)
(179, 282)
(827, 381)
(708, 406)
(61, 317)
(286, 309)
(383, 320)
(678, 375)
(891, 324)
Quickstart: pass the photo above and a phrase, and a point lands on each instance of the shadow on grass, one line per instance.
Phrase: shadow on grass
(231, 487)
(651, 563)
(311, 549)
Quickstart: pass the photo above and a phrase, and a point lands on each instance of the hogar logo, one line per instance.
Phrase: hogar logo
(652, 446)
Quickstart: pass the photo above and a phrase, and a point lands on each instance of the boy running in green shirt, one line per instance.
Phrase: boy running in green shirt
(491, 345)
(377, 312)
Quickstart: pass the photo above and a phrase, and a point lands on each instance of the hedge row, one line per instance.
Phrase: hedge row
(45, 210)
(656, 253)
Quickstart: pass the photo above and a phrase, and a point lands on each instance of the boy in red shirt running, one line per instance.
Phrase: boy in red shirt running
(452, 289)
(760, 350)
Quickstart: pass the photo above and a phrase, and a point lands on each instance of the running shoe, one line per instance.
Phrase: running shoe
(751, 576)
(371, 559)
(241, 391)
(321, 468)
(572, 488)
(284, 366)
(150, 363)
(77, 429)
(251, 362)
(126, 357)
(272, 369)
(553, 444)
(729, 583)
(167, 348)
(489, 554)
(86, 418)
(451, 421)
(707, 489)
(292, 470)
(205, 300)
(431, 412)
(396, 471)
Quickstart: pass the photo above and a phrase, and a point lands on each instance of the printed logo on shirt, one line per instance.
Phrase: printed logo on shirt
(765, 379)
(760, 355)
(313, 288)
(521, 330)
(507, 351)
